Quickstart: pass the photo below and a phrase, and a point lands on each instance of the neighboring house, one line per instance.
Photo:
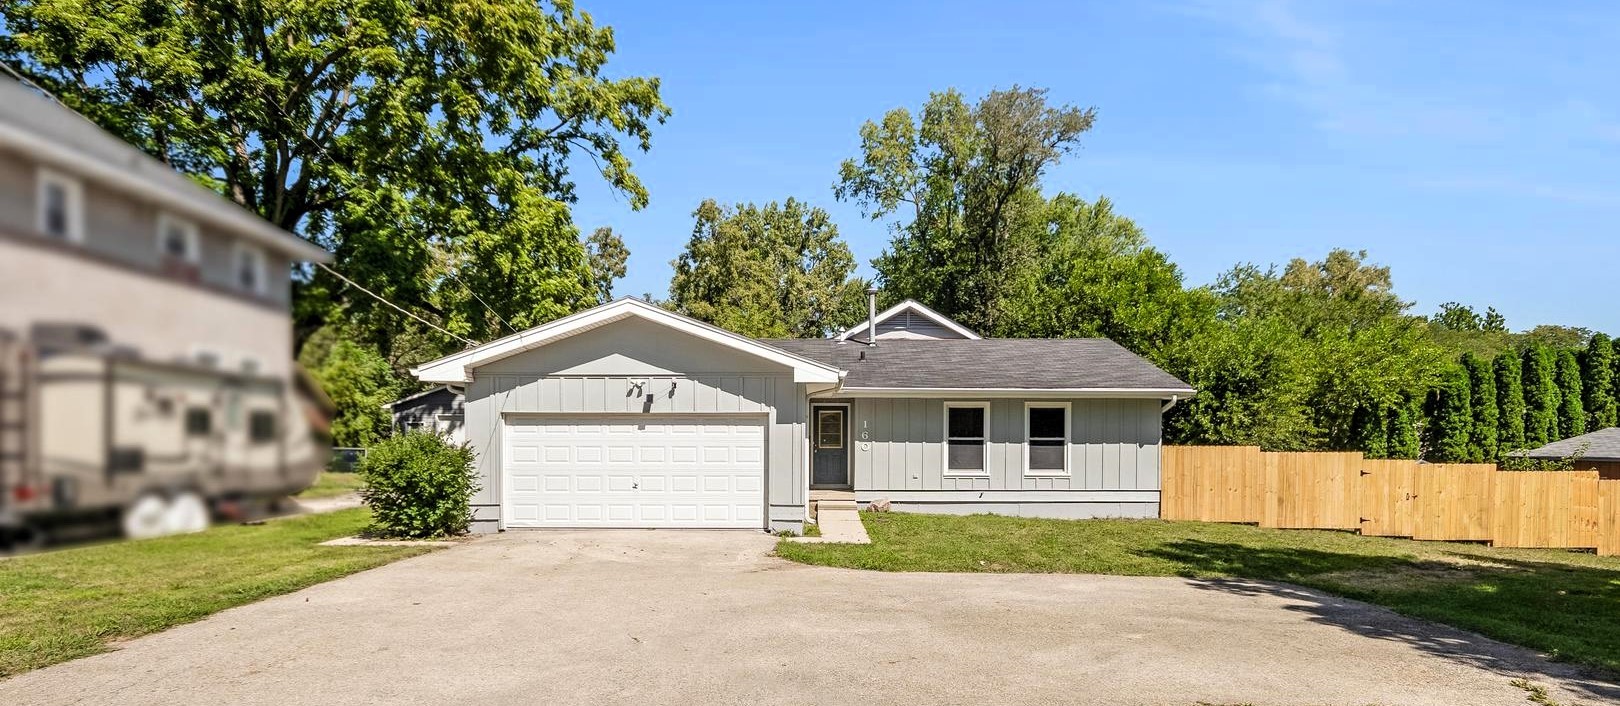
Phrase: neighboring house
(438, 410)
(149, 339)
(627, 415)
(1598, 450)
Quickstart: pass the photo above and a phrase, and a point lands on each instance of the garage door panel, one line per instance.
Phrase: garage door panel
(641, 472)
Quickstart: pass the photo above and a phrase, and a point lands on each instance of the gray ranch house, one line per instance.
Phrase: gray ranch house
(628, 415)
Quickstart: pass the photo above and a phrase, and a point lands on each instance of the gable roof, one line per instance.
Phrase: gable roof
(1076, 367)
(1600, 445)
(417, 398)
(457, 368)
(61, 139)
(915, 308)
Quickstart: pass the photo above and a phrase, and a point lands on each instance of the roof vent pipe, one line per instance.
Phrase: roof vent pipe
(871, 316)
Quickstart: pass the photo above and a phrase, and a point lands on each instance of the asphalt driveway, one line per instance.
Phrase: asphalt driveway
(709, 617)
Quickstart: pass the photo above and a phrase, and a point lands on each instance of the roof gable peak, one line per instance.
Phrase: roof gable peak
(910, 308)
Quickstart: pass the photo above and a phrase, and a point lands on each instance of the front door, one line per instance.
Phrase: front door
(829, 447)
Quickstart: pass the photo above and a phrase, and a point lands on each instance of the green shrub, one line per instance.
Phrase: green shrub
(418, 485)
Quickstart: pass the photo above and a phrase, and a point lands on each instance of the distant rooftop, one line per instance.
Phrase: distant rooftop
(1600, 445)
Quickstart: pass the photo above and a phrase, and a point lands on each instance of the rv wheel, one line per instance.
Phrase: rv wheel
(188, 512)
(146, 517)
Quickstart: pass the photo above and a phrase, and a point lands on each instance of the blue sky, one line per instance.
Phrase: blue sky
(1470, 146)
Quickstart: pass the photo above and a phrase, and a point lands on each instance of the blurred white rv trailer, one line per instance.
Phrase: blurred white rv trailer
(145, 339)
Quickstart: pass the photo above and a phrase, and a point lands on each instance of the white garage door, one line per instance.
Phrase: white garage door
(644, 471)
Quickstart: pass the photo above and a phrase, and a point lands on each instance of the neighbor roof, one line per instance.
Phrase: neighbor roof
(61, 139)
(1600, 445)
(1083, 365)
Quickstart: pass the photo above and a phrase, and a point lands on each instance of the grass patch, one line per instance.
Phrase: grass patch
(329, 484)
(71, 603)
(1566, 604)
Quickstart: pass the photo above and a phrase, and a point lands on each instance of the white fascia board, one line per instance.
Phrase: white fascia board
(240, 221)
(457, 368)
(1026, 393)
(919, 308)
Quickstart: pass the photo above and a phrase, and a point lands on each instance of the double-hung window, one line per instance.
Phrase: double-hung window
(1046, 438)
(178, 240)
(967, 426)
(248, 269)
(61, 207)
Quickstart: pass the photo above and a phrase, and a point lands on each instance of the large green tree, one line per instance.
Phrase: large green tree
(778, 270)
(1598, 383)
(1571, 413)
(1362, 351)
(427, 144)
(961, 178)
(607, 256)
(1540, 395)
(359, 381)
(1482, 442)
(1091, 273)
(1451, 417)
(1509, 370)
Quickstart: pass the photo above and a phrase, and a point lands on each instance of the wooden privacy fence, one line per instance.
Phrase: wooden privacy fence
(1441, 501)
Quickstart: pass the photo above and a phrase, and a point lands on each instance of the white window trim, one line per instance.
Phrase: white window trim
(261, 285)
(1068, 434)
(193, 252)
(945, 457)
(75, 204)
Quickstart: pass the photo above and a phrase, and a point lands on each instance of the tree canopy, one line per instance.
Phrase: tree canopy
(777, 271)
(962, 178)
(428, 145)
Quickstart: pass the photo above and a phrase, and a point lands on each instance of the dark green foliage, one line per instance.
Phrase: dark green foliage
(1406, 429)
(1571, 413)
(418, 485)
(964, 179)
(773, 271)
(1540, 395)
(1509, 371)
(1451, 417)
(1372, 431)
(414, 140)
(1598, 383)
(1482, 439)
(359, 382)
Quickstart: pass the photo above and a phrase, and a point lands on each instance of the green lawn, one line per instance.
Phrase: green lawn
(1564, 603)
(330, 484)
(65, 604)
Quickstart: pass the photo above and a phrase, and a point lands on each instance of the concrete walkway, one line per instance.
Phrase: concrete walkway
(837, 525)
(649, 617)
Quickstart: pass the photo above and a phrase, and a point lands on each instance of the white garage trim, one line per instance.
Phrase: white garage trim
(457, 368)
(561, 470)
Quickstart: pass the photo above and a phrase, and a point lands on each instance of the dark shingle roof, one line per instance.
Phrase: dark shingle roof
(992, 363)
(1600, 445)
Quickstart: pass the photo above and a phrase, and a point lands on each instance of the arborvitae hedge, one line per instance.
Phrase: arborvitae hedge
(1509, 402)
(1451, 417)
(1571, 413)
(1372, 430)
(1482, 399)
(1406, 429)
(1597, 383)
(1540, 396)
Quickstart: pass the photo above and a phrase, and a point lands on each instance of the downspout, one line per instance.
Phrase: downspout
(1171, 403)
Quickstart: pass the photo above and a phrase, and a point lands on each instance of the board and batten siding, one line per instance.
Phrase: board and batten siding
(1113, 459)
(775, 397)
